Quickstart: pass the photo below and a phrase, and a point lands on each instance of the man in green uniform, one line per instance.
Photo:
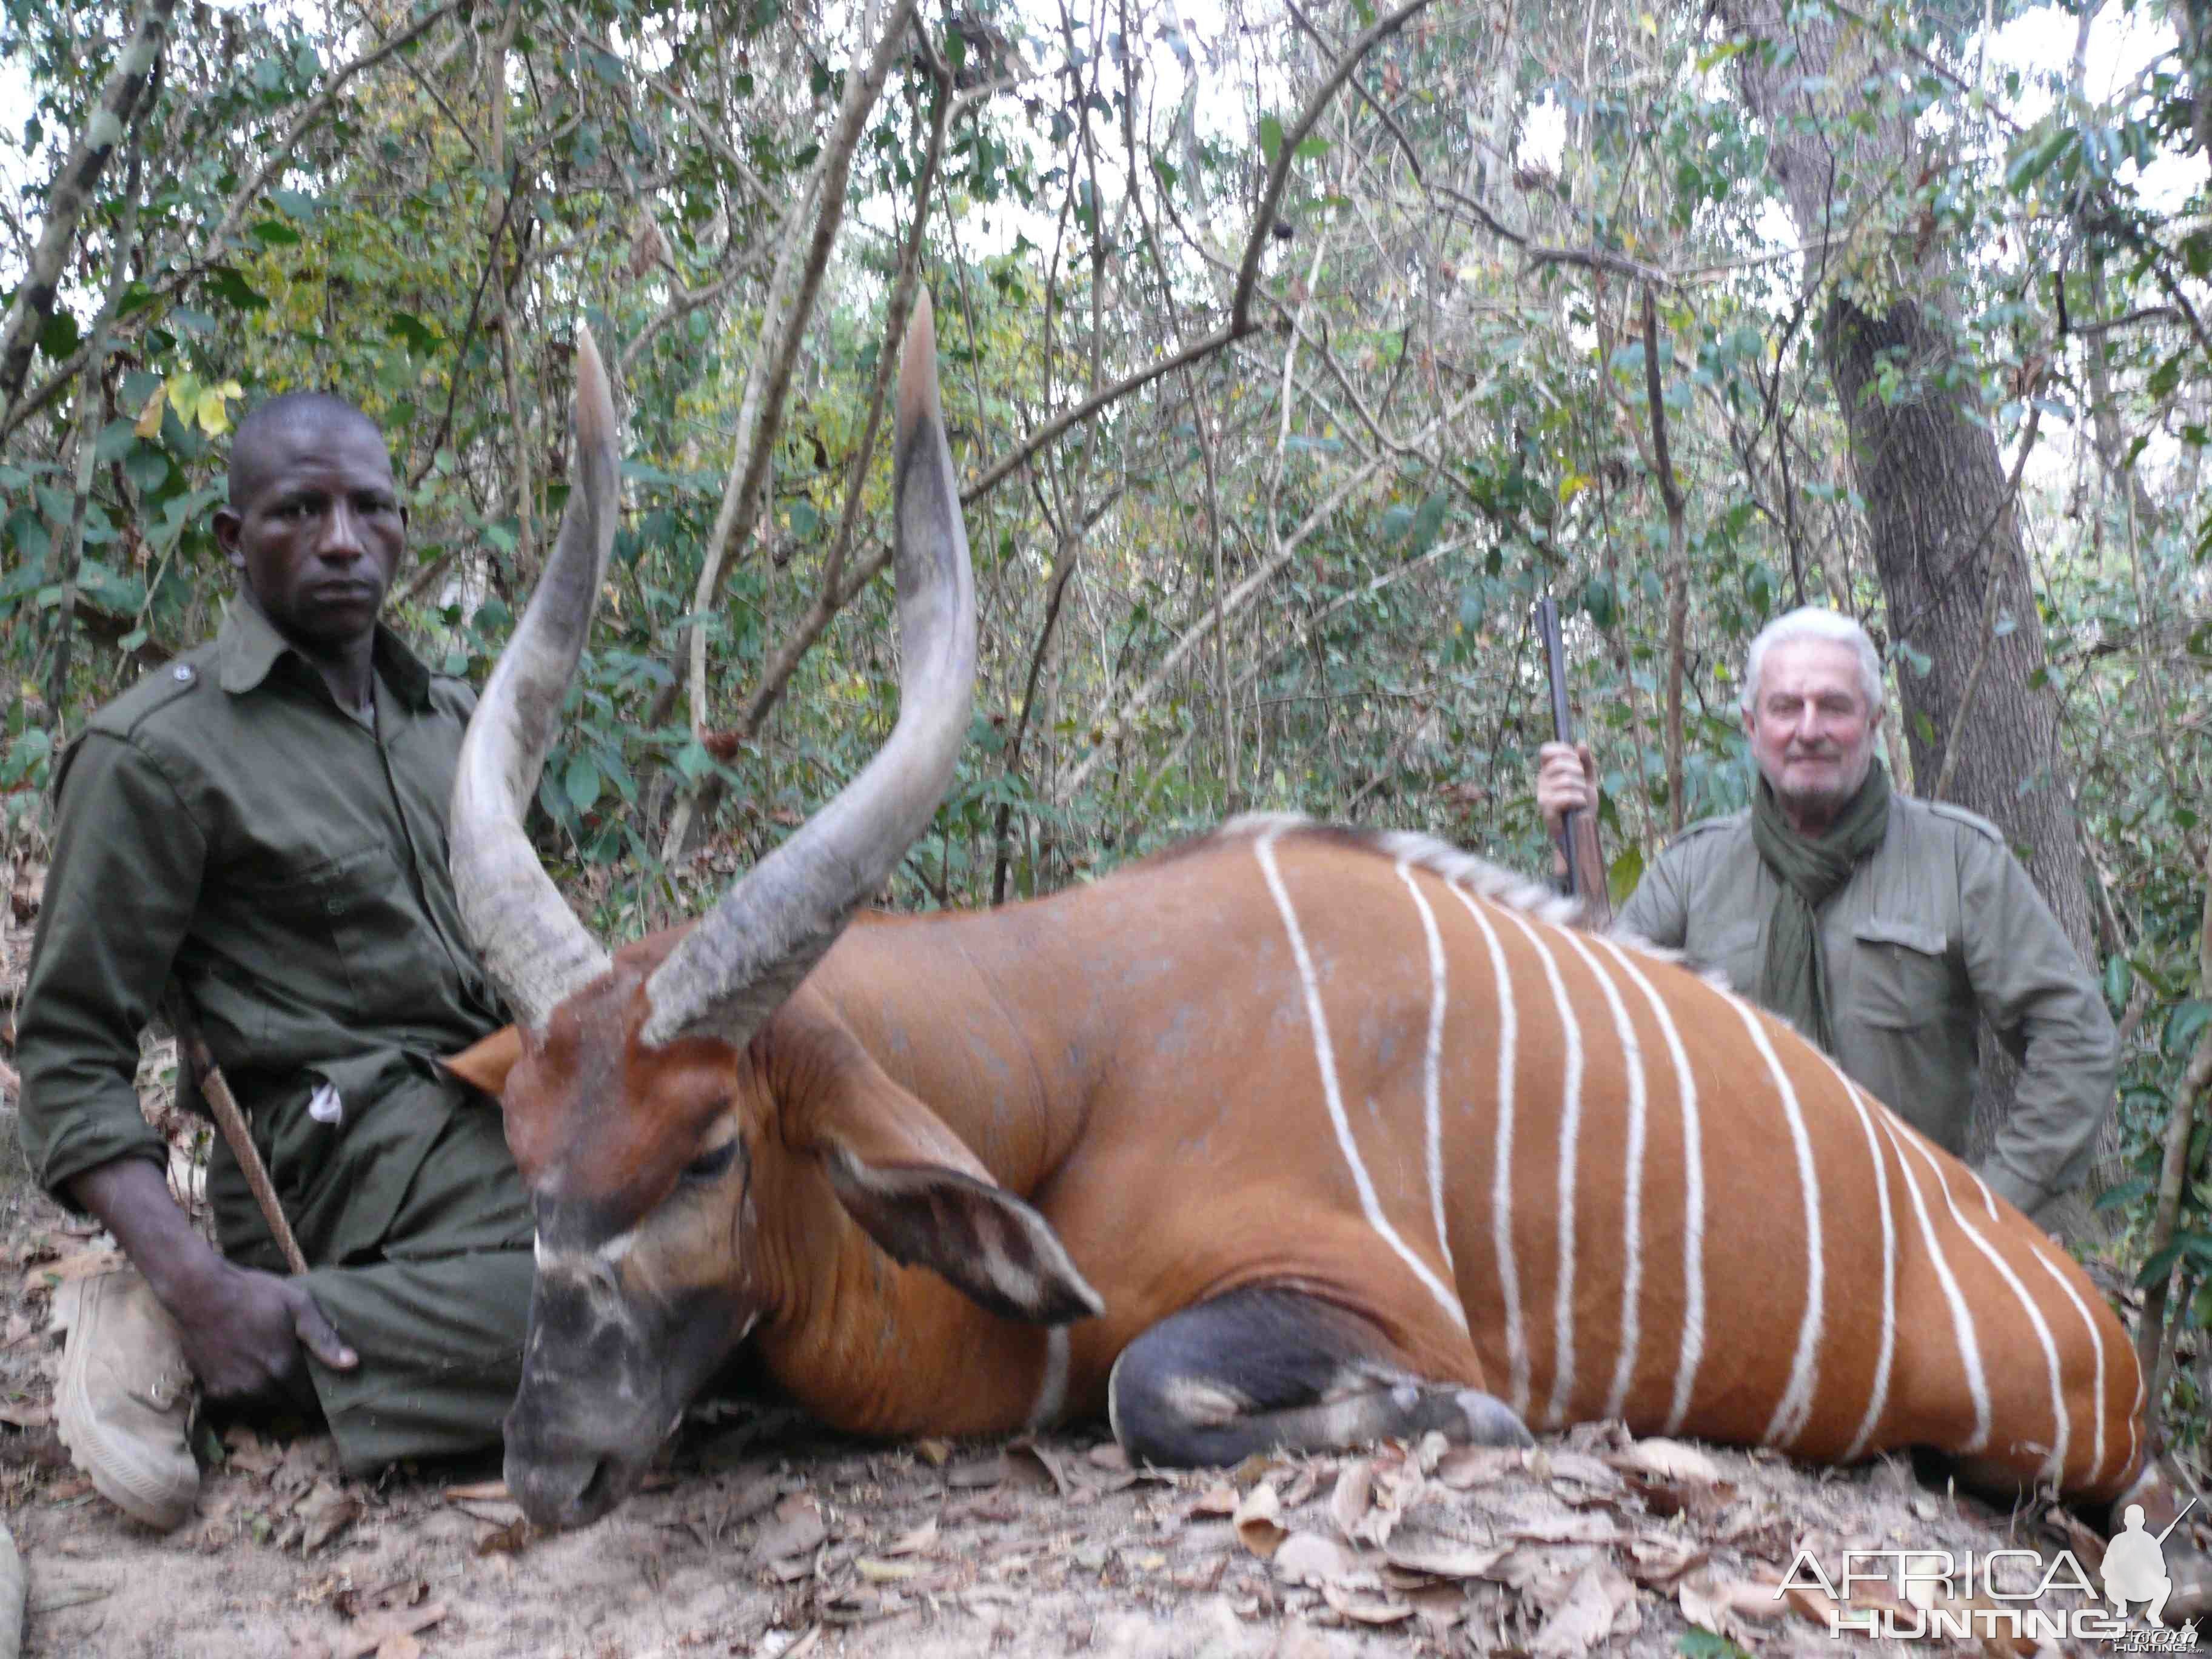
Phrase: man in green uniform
(264, 821)
(1881, 927)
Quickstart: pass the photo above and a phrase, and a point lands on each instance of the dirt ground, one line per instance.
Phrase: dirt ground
(763, 1537)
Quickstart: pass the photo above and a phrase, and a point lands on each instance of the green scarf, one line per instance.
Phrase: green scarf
(1792, 981)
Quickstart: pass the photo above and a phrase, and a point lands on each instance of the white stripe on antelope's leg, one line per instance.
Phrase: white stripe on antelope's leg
(1432, 1064)
(1693, 1198)
(1796, 1402)
(2054, 1463)
(2096, 1345)
(1501, 1180)
(1325, 1057)
(1962, 1320)
(1570, 1123)
(1052, 1386)
(1878, 1395)
(1632, 1197)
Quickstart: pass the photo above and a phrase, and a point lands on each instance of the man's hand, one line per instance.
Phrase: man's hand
(243, 1331)
(1566, 782)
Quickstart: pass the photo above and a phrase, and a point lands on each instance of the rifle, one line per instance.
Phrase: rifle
(1578, 834)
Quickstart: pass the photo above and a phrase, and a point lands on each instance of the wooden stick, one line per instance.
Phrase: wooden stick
(192, 1051)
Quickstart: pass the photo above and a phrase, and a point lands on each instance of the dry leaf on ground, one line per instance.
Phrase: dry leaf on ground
(1348, 1503)
(1259, 1520)
(323, 1513)
(1443, 1558)
(1311, 1557)
(370, 1635)
(921, 1539)
(1599, 1599)
(796, 1529)
(1669, 1460)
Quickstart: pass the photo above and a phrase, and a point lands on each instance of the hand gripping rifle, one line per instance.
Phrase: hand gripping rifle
(1578, 834)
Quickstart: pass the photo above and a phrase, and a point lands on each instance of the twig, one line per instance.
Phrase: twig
(791, 294)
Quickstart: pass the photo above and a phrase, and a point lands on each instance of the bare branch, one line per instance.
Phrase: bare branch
(111, 118)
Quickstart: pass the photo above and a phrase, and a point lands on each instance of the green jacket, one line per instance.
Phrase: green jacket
(1938, 927)
(227, 822)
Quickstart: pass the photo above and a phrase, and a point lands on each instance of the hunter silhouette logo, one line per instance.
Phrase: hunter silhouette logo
(2135, 1566)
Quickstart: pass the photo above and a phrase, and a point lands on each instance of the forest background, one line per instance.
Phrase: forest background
(1291, 347)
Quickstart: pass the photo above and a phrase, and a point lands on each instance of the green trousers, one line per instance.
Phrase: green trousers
(436, 1305)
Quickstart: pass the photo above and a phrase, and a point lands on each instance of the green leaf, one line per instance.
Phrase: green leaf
(2126, 1193)
(146, 467)
(2120, 981)
(412, 332)
(1271, 137)
(275, 233)
(1705, 1645)
(59, 336)
(1626, 873)
(581, 783)
(2183, 1026)
(234, 291)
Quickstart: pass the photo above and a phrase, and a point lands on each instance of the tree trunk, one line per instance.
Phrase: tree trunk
(1940, 517)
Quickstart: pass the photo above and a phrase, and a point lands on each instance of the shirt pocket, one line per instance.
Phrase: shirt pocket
(333, 918)
(1902, 972)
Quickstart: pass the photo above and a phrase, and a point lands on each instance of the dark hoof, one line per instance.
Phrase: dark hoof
(1491, 1421)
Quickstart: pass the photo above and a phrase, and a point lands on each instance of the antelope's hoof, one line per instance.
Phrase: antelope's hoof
(1491, 1421)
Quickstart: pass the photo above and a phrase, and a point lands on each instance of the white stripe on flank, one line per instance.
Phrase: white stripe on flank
(1501, 1180)
(1693, 1198)
(1796, 1402)
(1052, 1386)
(1570, 1123)
(1432, 1065)
(1632, 1197)
(2063, 1429)
(2097, 1345)
(1962, 1322)
(1325, 1057)
(1878, 1395)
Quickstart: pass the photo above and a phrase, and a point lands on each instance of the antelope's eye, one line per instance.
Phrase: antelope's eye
(709, 1166)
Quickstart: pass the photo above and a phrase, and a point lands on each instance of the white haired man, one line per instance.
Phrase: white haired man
(1881, 927)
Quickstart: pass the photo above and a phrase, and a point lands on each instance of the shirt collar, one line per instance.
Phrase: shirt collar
(247, 646)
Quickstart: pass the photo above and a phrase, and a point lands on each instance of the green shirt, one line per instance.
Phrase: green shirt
(227, 822)
(1938, 927)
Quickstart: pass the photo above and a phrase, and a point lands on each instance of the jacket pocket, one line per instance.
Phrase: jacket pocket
(1903, 972)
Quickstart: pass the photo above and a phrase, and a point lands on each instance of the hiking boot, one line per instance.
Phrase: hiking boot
(125, 1397)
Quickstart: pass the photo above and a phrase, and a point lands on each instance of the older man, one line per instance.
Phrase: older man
(264, 822)
(1881, 927)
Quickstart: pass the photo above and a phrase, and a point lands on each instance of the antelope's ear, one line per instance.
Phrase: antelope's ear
(484, 1065)
(923, 1196)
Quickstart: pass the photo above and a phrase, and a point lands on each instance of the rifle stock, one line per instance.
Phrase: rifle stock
(1578, 835)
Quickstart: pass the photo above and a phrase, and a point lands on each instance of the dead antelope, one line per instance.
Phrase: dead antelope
(1293, 1137)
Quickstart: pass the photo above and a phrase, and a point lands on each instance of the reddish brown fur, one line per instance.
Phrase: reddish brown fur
(1135, 1059)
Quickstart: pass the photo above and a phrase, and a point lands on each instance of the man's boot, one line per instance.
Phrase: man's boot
(125, 1397)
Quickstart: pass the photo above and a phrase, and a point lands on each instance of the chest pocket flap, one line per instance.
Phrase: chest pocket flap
(1902, 972)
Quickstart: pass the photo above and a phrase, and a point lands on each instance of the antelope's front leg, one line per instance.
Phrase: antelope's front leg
(1265, 1368)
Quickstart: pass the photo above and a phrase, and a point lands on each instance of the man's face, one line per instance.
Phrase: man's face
(319, 530)
(1811, 728)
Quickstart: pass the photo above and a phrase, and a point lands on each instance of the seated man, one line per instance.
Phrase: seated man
(1881, 927)
(264, 821)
